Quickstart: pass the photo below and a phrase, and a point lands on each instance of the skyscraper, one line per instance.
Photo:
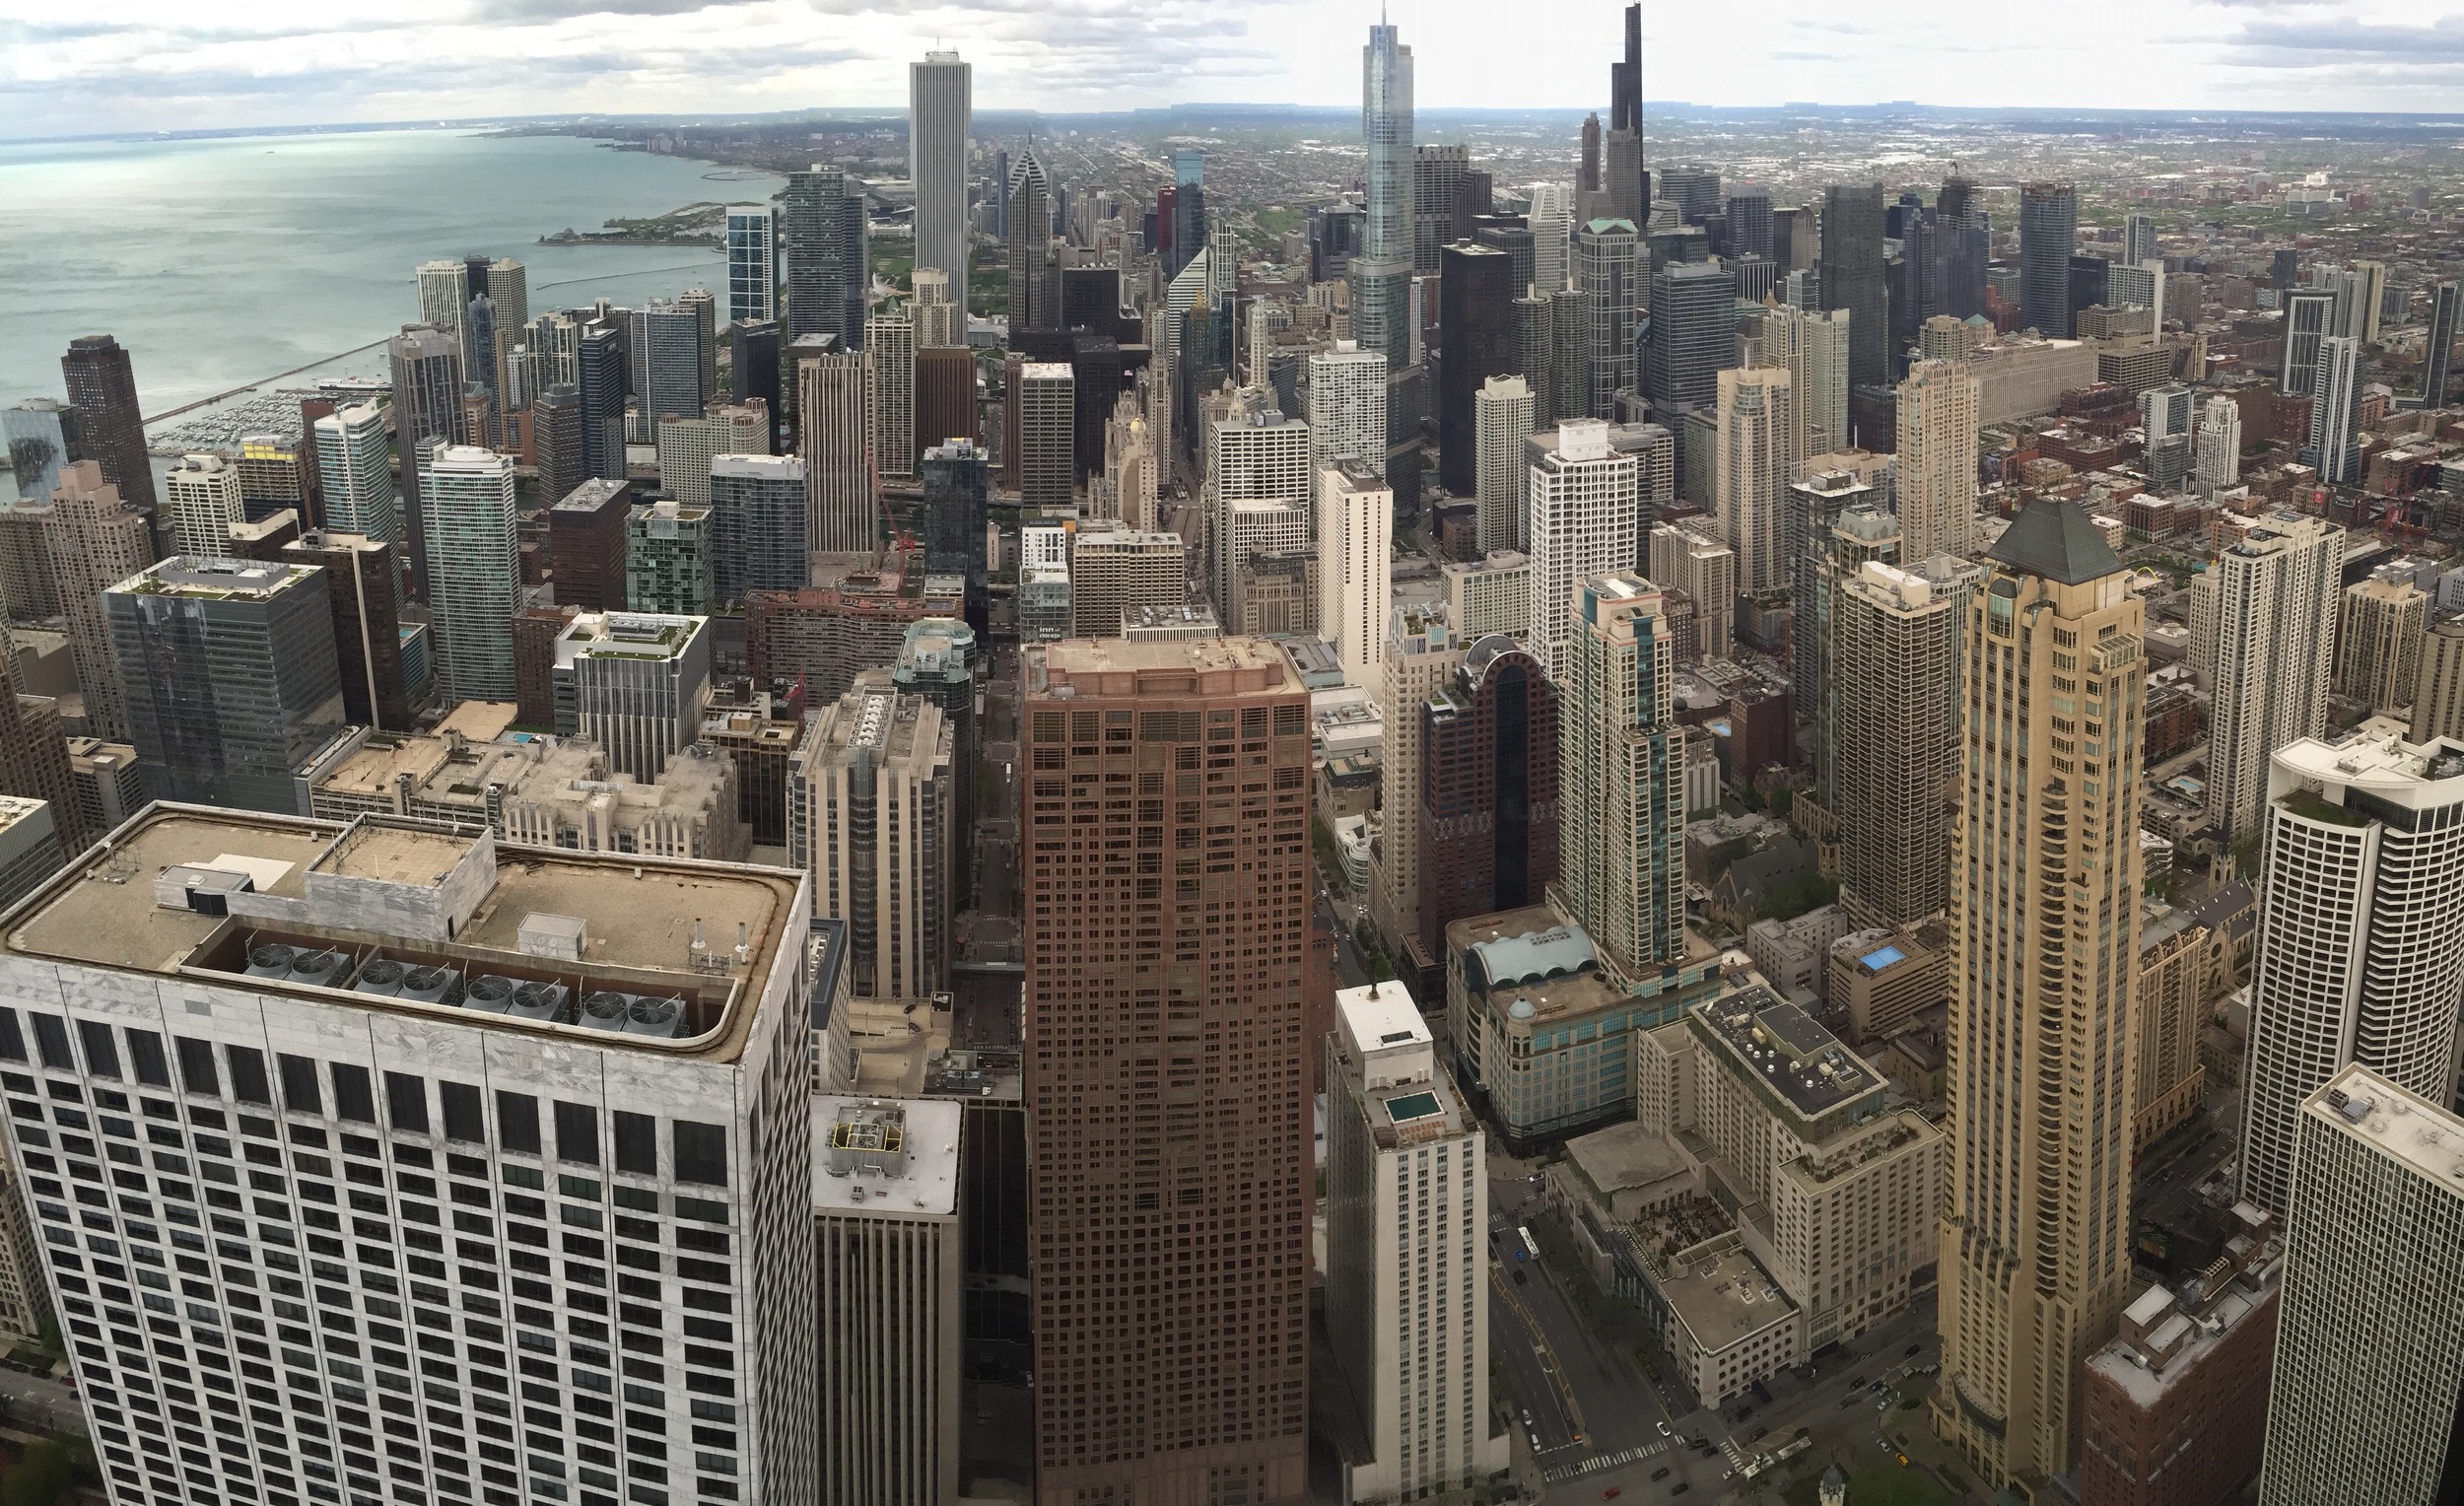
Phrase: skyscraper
(890, 344)
(822, 254)
(1347, 404)
(362, 585)
(1624, 175)
(474, 570)
(1609, 268)
(1893, 744)
(957, 491)
(444, 292)
(2037, 1232)
(93, 539)
(1225, 1132)
(752, 263)
(1486, 836)
(1381, 273)
(1422, 647)
(404, 1084)
(1812, 347)
(1048, 423)
(2379, 641)
(758, 507)
(831, 433)
(664, 344)
(1852, 277)
(2335, 445)
(2263, 642)
(204, 502)
(37, 431)
(2360, 946)
(1938, 422)
(2445, 307)
(2369, 1344)
(228, 673)
(1621, 777)
(2216, 464)
(753, 371)
(1552, 219)
(870, 797)
(1189, 206)
(1411, 1332)
(35, 763)
(2309, 312)
(109, 430)
(1692, 339)
(1753, 476)
(940, 112)
(427, 366)
(353, 456)
(1475, 324)
(1585, 499)
(2048, 236)
(1262, 494)
(687, 445)
(556, 441)
(1357, 559)
(1029, 195)
(1501, 420)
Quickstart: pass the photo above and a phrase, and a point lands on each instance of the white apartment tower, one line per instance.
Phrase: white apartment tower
(1621, 777)
(1585, 513)
(833, 434)
(1552, 219)
(2336, 409)
(1938, 427)
(503, 1088)
(202, 494)
(1811, 346)
(445, 294)
(2216, 463)
(688, 446)
(1753, 471)
(2369, 1339)
(1347, 404)
(2268, 608)
(1257, 480)
(1489, 595)
(1501, 420)
(1406, 1199)
(940, 111)
(1356, 567)
(888, 1266)
(353, 458)
(1422, 649)
(474, 570)
(2361, 943)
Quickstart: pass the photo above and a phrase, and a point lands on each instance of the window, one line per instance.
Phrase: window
(103, 1059)
(12, 1039)
(578, 1134)
(463, 1118)
(406, 1103)
(145, 1050)
(701, 1153)
(248, 1083)
(51, 1039)
(517, 1123)
(637, 1143)
(298, 1084)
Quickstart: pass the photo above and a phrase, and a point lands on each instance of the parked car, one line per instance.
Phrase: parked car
(1520, 1279)
(1612, 1492)
(1660, 1474)
(1915, 1350)
(1663, 1428)
(1680, 1487)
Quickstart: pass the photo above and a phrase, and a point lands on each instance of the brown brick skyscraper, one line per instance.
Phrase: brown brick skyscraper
(1167, 900)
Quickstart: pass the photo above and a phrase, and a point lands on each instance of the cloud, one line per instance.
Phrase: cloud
(2310, 42)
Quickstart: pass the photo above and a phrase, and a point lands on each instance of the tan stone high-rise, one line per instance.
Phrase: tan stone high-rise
(1938, 414)
(2378, 650)
(1422, 647)
(1895, 735)
(1167, 893)
(2045, 924)
(95, 539)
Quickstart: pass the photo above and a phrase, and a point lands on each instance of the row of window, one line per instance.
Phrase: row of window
(699, 1151)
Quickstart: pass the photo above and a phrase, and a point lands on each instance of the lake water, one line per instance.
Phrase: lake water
(220, 263)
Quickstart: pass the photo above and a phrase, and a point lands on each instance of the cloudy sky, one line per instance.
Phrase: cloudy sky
(170, 64)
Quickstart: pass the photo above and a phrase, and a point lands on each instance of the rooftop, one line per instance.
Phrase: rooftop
(2058, 541)
(2404, 1126)
(886, 1157)
(593, 494)
(204, 579)
(1624, 1156)
(192, 892)
(1724, 1296)
(1055, 672)
(1773, 1042)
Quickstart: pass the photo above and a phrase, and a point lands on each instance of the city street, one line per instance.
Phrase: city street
(37, 1403)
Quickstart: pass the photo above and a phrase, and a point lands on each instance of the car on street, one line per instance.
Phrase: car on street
(1881, 1404)
(1612, 1492)
(1680, 1487)
(1915, 1350)
(1856, 1383)
(1758, 1432)
(1664, 1429)
(1847, 1401)
(1520, 1279)
(1660, 1474)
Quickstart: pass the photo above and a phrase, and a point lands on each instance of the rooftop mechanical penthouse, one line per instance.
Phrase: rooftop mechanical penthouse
(375, 1163)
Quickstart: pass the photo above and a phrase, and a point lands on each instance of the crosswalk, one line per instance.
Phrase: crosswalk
(1599, 1462)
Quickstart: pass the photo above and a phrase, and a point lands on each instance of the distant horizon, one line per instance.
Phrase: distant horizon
(1875, 111)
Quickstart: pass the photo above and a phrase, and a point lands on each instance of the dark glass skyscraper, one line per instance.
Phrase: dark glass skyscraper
(1625, 121)
(2049, 234)
(1693, 334)
(2442, 344)
(1750, 221)
(753, 367)
(1029, 215)
(556, 440)
(1963, 243)
(1488, 789)
(957, 486)
(1381, 291)
(822, 254)
(1853, 276)
(107, 429)
(1188, 209)
(1476, 335)
(601, 363)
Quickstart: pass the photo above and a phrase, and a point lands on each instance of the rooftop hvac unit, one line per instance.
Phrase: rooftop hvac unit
(491, 994)
(383, 976)
(430, 986)
(324, 969)
(270, 961)
(539, 1001)
(606, 1010)
(660, 1017)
